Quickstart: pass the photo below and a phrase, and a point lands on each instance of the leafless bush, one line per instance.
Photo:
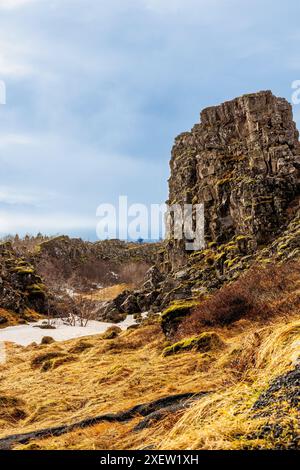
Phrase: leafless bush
(84, 309)
(253, 296)
(133, 273)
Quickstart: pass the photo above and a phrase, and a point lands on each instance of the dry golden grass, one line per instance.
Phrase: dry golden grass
(130, 369)
(13, 319)
(223, 419)
(114, 375)
(107, 293)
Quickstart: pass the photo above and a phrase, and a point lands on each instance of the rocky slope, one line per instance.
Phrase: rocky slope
(76, 262)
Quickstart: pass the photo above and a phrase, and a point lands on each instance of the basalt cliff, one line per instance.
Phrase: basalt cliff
(242, 161)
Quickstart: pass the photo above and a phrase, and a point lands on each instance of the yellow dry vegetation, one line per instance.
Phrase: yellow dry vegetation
(107, 293)
(13, 319)
(111, 376)
(66, 382)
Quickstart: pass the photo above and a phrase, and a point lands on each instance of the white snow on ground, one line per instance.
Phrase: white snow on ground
(27, 334)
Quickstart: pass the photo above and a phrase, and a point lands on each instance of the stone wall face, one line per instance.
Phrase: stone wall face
(242, 161)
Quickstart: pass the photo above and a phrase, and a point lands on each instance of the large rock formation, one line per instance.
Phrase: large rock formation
(242, 161)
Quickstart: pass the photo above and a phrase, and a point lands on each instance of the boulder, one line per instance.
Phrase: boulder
(47, 340)
(206, 342)
(112, 332)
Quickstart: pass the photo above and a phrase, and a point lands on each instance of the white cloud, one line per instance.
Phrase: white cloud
(14, 58)
(20, 196)
(15, 139)
(11, 4)
(45, 223)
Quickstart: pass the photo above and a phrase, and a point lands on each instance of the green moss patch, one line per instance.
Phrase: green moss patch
(23, 270)
(37, 289)
(178, 309)
(207, 341)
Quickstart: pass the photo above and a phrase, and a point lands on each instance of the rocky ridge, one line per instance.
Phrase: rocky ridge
(36, 276)
(104, 262)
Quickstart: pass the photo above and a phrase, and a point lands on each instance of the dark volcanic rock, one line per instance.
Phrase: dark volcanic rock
(20, 286)
(242, 162)
(279, 407)
(285, 387)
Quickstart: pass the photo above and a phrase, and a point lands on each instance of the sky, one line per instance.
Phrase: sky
(96, 92)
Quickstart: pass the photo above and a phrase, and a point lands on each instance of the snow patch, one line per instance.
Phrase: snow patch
(27, 334)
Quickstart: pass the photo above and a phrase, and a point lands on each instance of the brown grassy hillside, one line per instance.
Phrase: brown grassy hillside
(63, 383)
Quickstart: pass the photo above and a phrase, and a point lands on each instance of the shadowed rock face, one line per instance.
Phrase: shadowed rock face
(242, 161)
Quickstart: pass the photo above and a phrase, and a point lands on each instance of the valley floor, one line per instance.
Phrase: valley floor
(67, 382)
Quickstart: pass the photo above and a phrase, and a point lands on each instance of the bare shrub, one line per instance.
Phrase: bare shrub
(75, 311)
(85, 310)
(133, 273)
(254, 296)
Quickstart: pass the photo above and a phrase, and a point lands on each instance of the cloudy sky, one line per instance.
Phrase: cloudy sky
(97, 91)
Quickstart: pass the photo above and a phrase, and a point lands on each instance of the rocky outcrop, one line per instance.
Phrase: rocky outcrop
(242, 161)
(21, 289)
(132, 302)
(280, 400)
(79, 263)
(38, 274)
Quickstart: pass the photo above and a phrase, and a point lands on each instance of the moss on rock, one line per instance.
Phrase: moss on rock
(47, 340)
(174, 314)
(203, 343)
(112, 332)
